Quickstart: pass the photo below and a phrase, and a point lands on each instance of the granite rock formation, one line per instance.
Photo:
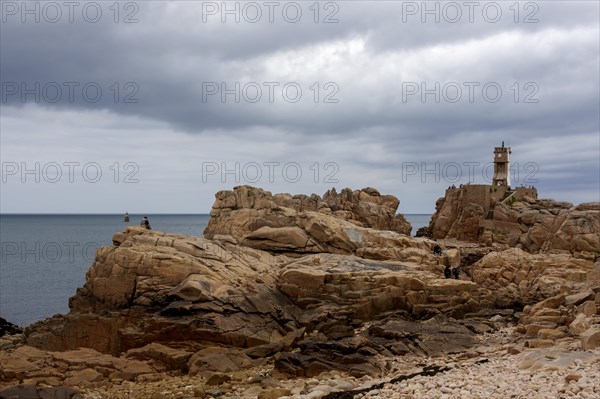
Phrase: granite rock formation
(254, 218)
(308, 292)
(156, 287)
(234, 210)
(7, 328)
(537, 226)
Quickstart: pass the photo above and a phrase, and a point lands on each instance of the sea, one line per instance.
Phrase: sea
(44, 258)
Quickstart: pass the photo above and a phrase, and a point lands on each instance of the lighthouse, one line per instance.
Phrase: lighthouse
(501, 166)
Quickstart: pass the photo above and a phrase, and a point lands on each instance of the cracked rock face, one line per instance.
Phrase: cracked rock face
(537, 226)
(282, 224)
(358, 355)
(515, 277)
(246, 209)
(156, 287)
(194, 305)
(152, 286)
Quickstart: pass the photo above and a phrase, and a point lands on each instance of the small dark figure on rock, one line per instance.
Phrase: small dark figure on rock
(146, 223)
(437, 250)
(447, 272)
(455, 272)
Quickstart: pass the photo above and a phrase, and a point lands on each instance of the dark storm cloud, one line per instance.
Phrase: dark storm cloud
(171, 52)
(373, 55)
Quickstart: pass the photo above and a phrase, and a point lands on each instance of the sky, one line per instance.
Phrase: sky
(154, 106)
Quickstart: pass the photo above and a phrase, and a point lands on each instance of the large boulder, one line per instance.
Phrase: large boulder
(456, 217)
(79, 367)
(254, 218)
(156, 287)
(244, 209)
(7, 328)
(359, 355)
(314, 232)
(517, 278)
(537, 226)
(334, 291)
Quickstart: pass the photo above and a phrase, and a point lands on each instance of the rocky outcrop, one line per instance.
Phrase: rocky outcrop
(156, 287)
(553, 228)
(335, 291)
(240, 211)
(253, 218)
(516, 278)
(357, 355)
(455, 217)
(537, 226)
(365, 207)
(7, 328)
(302, 289)
(574, 310)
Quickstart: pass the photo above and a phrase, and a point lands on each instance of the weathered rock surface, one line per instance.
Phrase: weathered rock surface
(162, 357)
(571, 311)
(218, 359)
(305, 284)
(160, 288)
(516, 278)
(361, 354)
(253, 218)
(331, 288)
(7, 328)
(313, 232)
(245, 209)
(33, 392)
(455, 217)
(365, 207)
(533, 225)
(156, 287)
(83, 366)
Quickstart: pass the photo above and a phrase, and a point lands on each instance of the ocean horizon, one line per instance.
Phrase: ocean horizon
(44, 257)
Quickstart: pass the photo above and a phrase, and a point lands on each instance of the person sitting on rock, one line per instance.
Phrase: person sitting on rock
(456, 272)
(437, 250)
(146, 223)
(447, 272)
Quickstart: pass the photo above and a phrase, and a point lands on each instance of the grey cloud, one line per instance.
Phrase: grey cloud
(369, 54)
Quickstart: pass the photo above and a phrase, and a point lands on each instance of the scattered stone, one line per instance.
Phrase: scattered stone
(200, 392)
(579, 325)
(590, 338)
(579, 298)
(218, 359)
(217, 379)
(171, 359)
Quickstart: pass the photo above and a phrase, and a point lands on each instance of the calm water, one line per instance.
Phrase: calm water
(43, 258)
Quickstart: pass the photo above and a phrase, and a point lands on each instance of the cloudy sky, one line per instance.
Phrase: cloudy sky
(154, 106)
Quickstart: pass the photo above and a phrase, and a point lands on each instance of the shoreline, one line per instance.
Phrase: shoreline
(497, 366)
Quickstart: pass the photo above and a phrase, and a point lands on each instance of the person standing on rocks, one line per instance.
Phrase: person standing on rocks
(146, 223)
(456, 272)
(447, 272)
